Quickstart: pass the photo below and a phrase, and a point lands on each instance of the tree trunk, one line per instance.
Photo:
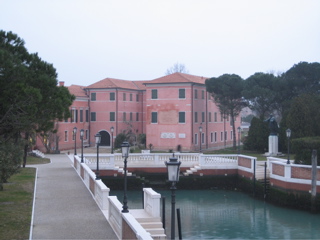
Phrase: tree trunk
(25, 150)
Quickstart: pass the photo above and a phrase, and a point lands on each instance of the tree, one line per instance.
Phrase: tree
(303, 117)
(177, 67)
(260, 94)
(10, 159)
(257, 139)
(31, 100)
(227, 93)
(301, 78)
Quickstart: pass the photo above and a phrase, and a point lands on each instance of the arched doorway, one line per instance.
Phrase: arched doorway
(105, 138)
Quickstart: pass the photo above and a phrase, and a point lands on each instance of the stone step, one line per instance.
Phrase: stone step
(154, 231)
(193, 169)
(159, 236)
(148, 225)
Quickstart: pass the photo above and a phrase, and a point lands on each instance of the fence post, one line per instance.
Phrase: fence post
(314, 180)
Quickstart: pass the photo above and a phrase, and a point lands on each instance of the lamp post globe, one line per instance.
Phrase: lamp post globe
(81, 137)
(173, 168)
(288, 133)
(98, 139)
(239, 131)
(112, 130)
(75, 139)
(125, 146)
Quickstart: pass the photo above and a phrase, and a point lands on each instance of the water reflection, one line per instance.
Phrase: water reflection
(208, 214)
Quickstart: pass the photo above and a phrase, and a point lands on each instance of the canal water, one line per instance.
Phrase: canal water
(218, 214)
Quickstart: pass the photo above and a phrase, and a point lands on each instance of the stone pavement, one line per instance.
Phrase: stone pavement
(64, 207)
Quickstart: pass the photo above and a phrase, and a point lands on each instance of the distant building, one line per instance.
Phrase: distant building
(169, 110)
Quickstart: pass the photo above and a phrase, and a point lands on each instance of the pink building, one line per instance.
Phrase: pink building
(170, 110)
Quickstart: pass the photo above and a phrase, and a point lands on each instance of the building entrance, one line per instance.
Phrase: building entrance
(105, 138)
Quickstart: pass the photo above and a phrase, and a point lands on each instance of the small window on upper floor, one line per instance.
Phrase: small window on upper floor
(196, 94)
(182, 93)
(93, 97)
(112, 96)
(154, 94)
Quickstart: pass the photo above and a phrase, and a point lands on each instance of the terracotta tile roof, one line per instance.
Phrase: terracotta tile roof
(77, 90)
(118, 83)
(179, 78)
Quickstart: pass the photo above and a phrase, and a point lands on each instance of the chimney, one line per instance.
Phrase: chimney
(61, 83)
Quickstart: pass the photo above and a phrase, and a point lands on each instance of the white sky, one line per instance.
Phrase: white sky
(90, 40)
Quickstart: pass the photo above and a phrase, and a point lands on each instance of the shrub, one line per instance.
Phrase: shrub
(303, 147)
(121, 137)
(257, 139)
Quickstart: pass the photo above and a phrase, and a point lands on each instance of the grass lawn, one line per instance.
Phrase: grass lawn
(37, 160)
(16, 202)
(16, 205)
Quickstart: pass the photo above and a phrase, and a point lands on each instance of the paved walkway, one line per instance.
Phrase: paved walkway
(64, 208)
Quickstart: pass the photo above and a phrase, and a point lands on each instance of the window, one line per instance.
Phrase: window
(93, 116)
(196, 94)
(66, 136)
(112, 116)
(182, 93)
(87, 133)
(124, 97)
(182, 117)
(226, 135)
(73, 136)
(202, 137)
(137, 97)
(215, 136)
(221, 136)
(131, 116)
(130, 97)
(231, 135)
(196, 117)
(154, 94)
(202, 117)
(112, 96)
(93, 97)
(137, 116)
(87, 115)
(154, 117)
(81, 115)
(209, 116)
(211, 137)
(215, 117)
(74, 115)
(124, 116)
(202, 94)
(196, 138)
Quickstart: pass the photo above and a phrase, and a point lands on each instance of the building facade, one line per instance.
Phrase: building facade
(174, 110)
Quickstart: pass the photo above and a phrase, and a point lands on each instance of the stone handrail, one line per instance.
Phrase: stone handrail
(114, 216)
(151, 202)
(218, 161)
(294, 173)
(97, 188)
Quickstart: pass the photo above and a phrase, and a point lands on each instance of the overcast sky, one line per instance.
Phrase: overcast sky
(90, 40)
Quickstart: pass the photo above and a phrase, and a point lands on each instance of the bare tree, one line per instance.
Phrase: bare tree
(177, 67)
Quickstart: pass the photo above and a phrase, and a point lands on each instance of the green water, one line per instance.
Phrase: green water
(217, 214)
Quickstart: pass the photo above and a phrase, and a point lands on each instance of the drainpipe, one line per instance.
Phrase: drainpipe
(206, 120)
(192, 113)
(117, 100)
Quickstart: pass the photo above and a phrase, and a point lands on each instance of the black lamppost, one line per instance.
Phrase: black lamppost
(112, 130)
(173, 167)
(200, 138)
(125, 154)
(239, 131)
(81, 137)
(75, 140)
(288, 133)
(98, 139)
